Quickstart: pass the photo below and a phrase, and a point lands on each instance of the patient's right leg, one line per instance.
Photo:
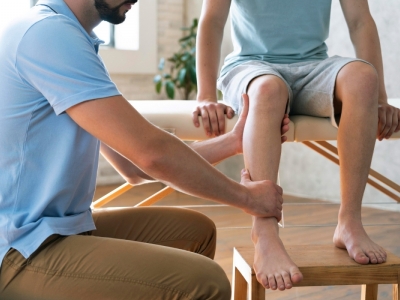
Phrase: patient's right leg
(268, 96)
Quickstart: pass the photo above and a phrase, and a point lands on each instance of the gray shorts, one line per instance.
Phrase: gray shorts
(310, 84)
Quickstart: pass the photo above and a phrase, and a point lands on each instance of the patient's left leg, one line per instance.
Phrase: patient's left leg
(356, 97)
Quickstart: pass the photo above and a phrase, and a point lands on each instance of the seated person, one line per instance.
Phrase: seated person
(280, 60)
(57, 105)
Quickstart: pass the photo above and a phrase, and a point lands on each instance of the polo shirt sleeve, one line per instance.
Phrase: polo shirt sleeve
(56, 58)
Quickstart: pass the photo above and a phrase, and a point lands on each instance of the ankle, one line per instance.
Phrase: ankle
(264, 228)
(349, 216)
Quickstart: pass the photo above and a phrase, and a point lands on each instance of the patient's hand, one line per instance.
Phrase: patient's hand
(239, 127)
(389, 120)
(213, 116)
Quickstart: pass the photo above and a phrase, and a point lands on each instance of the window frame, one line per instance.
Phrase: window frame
(143, 60)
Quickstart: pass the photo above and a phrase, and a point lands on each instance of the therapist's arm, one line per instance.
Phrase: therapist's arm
(213, 150)
(164, 157)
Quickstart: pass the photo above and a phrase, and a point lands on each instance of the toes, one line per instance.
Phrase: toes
(287, 281)
(279, 282)
(263, 280)
(296, 275)
(272, 282)
(265, 283)
(382, 254)
(361, 258)
(372, 257)
(380, 257)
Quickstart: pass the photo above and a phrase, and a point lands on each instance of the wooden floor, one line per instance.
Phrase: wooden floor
(305, 222)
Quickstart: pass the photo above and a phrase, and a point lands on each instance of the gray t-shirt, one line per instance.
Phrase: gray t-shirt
(278, 31)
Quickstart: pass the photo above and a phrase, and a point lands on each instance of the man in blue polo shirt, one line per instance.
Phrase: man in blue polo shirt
(58, 107)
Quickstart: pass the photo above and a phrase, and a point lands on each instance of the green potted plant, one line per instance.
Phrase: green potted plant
(182, 67)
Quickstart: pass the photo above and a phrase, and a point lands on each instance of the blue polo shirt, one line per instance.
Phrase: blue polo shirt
(48, 163)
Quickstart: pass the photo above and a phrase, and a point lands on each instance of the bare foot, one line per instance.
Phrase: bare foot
(273, 266)
(352, 236)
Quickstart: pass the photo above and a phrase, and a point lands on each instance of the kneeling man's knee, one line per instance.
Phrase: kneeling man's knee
(212, 282)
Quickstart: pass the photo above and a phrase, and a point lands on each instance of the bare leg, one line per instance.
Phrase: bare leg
(356, 96)
(262, 149)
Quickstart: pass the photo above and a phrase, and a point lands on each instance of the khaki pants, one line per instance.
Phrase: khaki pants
(135, 253)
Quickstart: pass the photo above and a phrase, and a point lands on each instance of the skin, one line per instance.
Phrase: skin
(213, 150)
(359, 95)
(160, 155)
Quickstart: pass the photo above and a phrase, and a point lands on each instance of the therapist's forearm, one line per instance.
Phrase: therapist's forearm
(131, 173)
(219, 148)
(213, 150)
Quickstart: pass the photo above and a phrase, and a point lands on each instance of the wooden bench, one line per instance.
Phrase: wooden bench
(321, 265)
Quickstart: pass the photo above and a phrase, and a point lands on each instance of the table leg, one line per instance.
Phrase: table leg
(256, 290)
(239, 285)
(369, 292)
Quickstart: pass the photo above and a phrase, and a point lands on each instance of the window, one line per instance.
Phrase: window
(135, 50)
(132, 45)
(124, 36)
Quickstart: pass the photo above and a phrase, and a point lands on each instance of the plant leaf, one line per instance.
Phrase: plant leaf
(186, 56)
(185, 38)
(157, 78)
(182, 76)
(170, 89)
(158, 87)
(161, 64)
(192, 75)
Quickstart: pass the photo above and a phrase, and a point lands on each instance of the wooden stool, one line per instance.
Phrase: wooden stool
(321, 265)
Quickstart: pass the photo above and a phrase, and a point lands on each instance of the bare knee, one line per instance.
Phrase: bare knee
(358, 84)
(268, 94)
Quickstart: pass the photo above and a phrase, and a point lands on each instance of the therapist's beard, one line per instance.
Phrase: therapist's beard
(109, 14)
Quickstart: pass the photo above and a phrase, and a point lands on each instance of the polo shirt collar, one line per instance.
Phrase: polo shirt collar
(60, 7)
